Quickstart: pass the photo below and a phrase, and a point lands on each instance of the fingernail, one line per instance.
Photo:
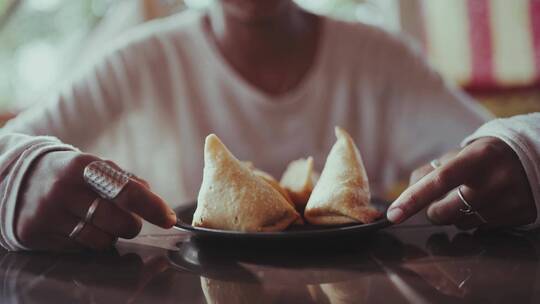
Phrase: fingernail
(395, 215)
(172, 216)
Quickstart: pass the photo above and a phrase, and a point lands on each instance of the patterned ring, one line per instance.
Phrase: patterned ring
(105, 180)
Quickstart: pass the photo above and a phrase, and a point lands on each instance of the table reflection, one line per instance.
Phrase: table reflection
(87, 278)
(421, 265)
(480, 267)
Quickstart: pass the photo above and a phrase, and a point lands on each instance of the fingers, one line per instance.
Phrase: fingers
(447, 210)
(491, 217)
(55, 243)
(137, 198)
(60, 243)
(504, 214)
(57, 197)
(419, 173)
(94, 238)
(89, 237)
(140, 180)
(434, 186)
(108, 217)
(490, 211)
(113, 220)
(468, 222)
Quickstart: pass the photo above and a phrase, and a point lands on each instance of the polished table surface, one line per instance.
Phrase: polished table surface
(403, 264)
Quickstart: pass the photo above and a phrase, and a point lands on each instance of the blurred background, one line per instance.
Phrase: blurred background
(491, 48)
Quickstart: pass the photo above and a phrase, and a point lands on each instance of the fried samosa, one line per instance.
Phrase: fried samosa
(232, 197)
(275, 184)
(298, 180)
(341, 196)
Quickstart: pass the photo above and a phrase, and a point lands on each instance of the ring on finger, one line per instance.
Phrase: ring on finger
(435, 163)
(468, 207)
(469, 210)
(105, 180)
(92, 210)
(77, 230)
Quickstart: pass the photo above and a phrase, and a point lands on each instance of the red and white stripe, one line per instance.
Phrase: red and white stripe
(485, 44)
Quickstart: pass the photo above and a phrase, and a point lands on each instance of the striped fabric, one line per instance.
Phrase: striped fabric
(484, 44)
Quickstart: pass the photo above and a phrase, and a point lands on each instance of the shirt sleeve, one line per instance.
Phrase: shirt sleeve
(89, 104)
(522, 134)
(17, 153)
(77, 116)
(430, 116)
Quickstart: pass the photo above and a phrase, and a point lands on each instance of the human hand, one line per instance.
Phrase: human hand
(54, 198)
(491, 179)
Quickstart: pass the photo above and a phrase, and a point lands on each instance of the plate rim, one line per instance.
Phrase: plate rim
(182, 226)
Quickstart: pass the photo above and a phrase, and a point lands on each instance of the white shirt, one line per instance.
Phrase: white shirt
(151, 101)
(522, 134)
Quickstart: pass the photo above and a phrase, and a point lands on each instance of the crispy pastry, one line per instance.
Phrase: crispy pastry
(232, 197)
(299, 179)
(341, 195)
(275, 184)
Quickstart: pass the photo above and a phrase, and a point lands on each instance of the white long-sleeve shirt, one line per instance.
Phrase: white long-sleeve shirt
(522, 134)
(151, 101)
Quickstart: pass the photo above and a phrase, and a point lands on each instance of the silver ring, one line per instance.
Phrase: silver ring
(468, 208)
(75, 232)
(435, 163)
(105, 180)
(92, 210)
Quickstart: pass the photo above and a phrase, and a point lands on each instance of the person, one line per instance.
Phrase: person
(270, 79)
(493, 182)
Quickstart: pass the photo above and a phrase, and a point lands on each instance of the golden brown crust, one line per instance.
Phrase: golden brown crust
(341, 195)
(275, 184)
(298, 180)
(324, 217)
(232, 197)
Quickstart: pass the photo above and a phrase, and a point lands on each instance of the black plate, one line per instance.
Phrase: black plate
(185, 216)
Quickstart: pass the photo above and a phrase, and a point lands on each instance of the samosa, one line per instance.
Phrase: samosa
(341, 196)
(275, 184)
(299, 179)
(232, 197)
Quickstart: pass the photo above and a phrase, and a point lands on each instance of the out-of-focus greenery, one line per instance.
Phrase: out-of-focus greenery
(36, 40)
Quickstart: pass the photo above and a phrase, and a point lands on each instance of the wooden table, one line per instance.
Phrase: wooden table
(404, 264)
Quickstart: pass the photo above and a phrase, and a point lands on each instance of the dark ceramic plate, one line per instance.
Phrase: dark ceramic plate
(185, 216)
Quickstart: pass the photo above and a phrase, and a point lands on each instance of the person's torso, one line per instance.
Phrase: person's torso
(189, 91)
